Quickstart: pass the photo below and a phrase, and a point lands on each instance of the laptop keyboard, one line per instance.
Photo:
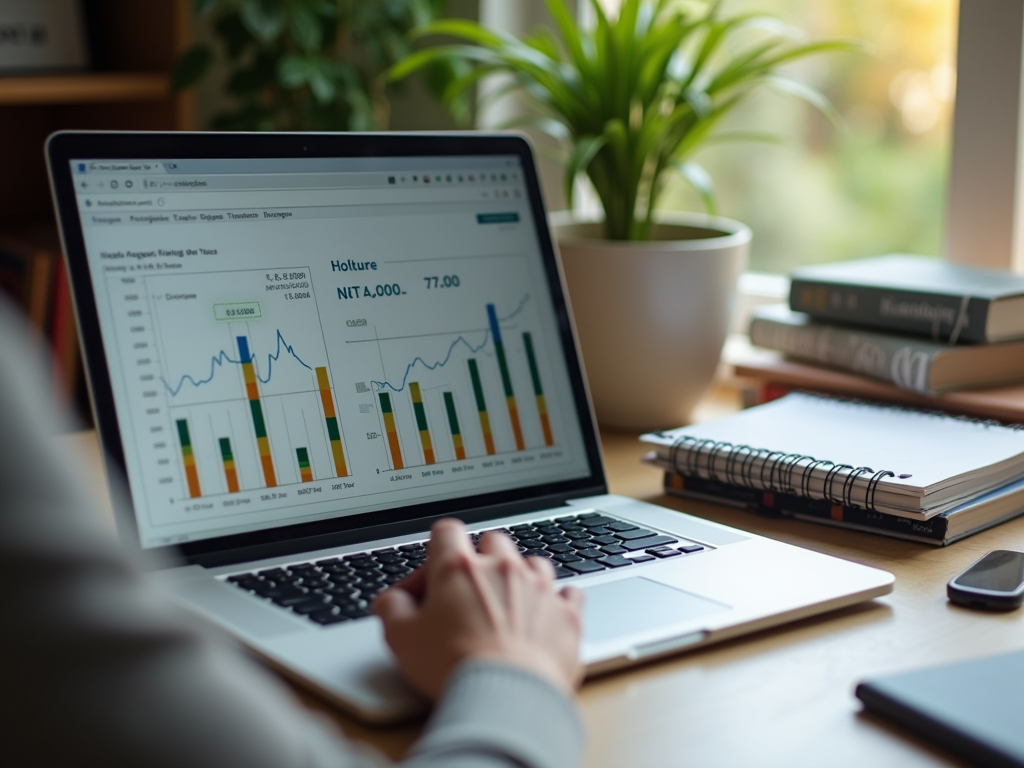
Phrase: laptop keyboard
(339, 589)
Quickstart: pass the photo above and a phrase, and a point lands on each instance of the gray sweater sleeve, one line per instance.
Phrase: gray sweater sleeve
(96, 668)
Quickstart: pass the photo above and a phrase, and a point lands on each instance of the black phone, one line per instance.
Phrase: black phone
(996, 581)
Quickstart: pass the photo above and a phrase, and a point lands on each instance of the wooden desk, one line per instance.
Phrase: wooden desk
(782, 697)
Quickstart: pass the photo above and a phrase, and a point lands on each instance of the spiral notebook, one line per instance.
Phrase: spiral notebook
(884, 458)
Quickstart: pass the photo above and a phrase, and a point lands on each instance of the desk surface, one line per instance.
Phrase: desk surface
(782, 697)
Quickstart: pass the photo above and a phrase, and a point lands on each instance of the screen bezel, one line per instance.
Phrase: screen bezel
(63, 147)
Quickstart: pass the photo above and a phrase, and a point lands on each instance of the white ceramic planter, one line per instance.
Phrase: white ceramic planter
(652, 317)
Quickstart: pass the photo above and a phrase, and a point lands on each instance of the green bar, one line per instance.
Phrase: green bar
(453, 417)
(303, 456)
(534, 373)
(506, 380)
(478, 390)
(385, 402)
(332, 428)
(225, 449)
(417, 407)
(186, 441)
(257, 418)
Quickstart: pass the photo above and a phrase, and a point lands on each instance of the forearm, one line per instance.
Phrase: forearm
(497, 715)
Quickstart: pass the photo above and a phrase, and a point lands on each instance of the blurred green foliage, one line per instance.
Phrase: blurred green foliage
(310, 65)
(879, 185)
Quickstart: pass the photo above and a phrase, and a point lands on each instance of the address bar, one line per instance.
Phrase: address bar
(209, 201)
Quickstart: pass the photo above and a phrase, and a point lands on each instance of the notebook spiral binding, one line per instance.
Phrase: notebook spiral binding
(779, 472)
(776, 471)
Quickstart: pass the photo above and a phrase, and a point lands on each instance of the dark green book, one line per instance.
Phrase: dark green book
(971, 517)
(919, 295)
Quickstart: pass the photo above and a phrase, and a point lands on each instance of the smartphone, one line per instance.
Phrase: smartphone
(996, 581)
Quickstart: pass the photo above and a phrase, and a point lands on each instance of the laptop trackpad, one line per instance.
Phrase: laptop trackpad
(636, 605)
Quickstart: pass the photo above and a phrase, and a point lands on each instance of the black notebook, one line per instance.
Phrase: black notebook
(975, 708)
(885, 458)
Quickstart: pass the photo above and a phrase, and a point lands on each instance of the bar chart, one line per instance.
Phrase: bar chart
(483, 380)
(246, 381)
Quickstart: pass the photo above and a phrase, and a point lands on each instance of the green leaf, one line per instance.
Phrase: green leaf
(191, 67)
(700, 180)
(265, 19)
(582, 155)
(305, 30)
(293, 71)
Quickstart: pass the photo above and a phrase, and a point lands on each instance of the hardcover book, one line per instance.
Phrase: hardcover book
(969, 518)
(908, 362)
(920, 295)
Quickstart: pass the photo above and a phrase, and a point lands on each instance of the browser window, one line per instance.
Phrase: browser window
(293, 340)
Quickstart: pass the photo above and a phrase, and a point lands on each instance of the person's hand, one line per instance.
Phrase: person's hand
(494, 604)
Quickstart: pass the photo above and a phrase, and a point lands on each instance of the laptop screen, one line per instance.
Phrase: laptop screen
(294, 340)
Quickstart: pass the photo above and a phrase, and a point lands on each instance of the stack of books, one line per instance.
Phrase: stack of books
(920, 475)
(907, 329)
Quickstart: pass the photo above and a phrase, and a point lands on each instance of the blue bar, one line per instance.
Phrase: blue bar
(243, 348)
(493, 317)
(496, 218)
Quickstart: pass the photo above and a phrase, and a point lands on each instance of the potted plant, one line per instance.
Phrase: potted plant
(631, 100)
(304, 65)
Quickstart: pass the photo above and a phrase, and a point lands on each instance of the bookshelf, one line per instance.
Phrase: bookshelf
(133, 46)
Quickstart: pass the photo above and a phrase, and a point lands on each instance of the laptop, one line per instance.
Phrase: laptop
(304, 349)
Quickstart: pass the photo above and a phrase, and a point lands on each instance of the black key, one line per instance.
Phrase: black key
(337, 570)
(521, 527)
(342, 594)
(363, 564)
(390, 559)
(585, 566)
(636, 533)
(642, 558)
(581, 535)
(663, 553)
(241, 577)
(600, 520)
(567, 558)
(615, 561)
(314, 584)
(288, 602)
(312, 606)
(563, 573)
(599, 531)
(547, 555)
(590, 554)
(357, 556)
(329, 616)
(566, 519)
(620, 526)
(250, 582)
(528, 534)
(531, 544)
(613, 549)
(328, 561)
(411, 547)
(602, 540)
(554, 539)
(272, 573)
(387, 551)
(653, 541)
(399, 570)
(354, 611)
(588, 515)
(559, 549)
(549, 530)
(691, 548)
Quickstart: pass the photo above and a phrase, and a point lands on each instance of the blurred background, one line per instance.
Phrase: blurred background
(875, 185)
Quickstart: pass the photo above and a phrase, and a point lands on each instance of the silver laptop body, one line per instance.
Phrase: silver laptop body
(303, 348)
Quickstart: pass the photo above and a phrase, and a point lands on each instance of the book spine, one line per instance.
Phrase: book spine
(789, 505)
(895, 360)
(945, 318)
